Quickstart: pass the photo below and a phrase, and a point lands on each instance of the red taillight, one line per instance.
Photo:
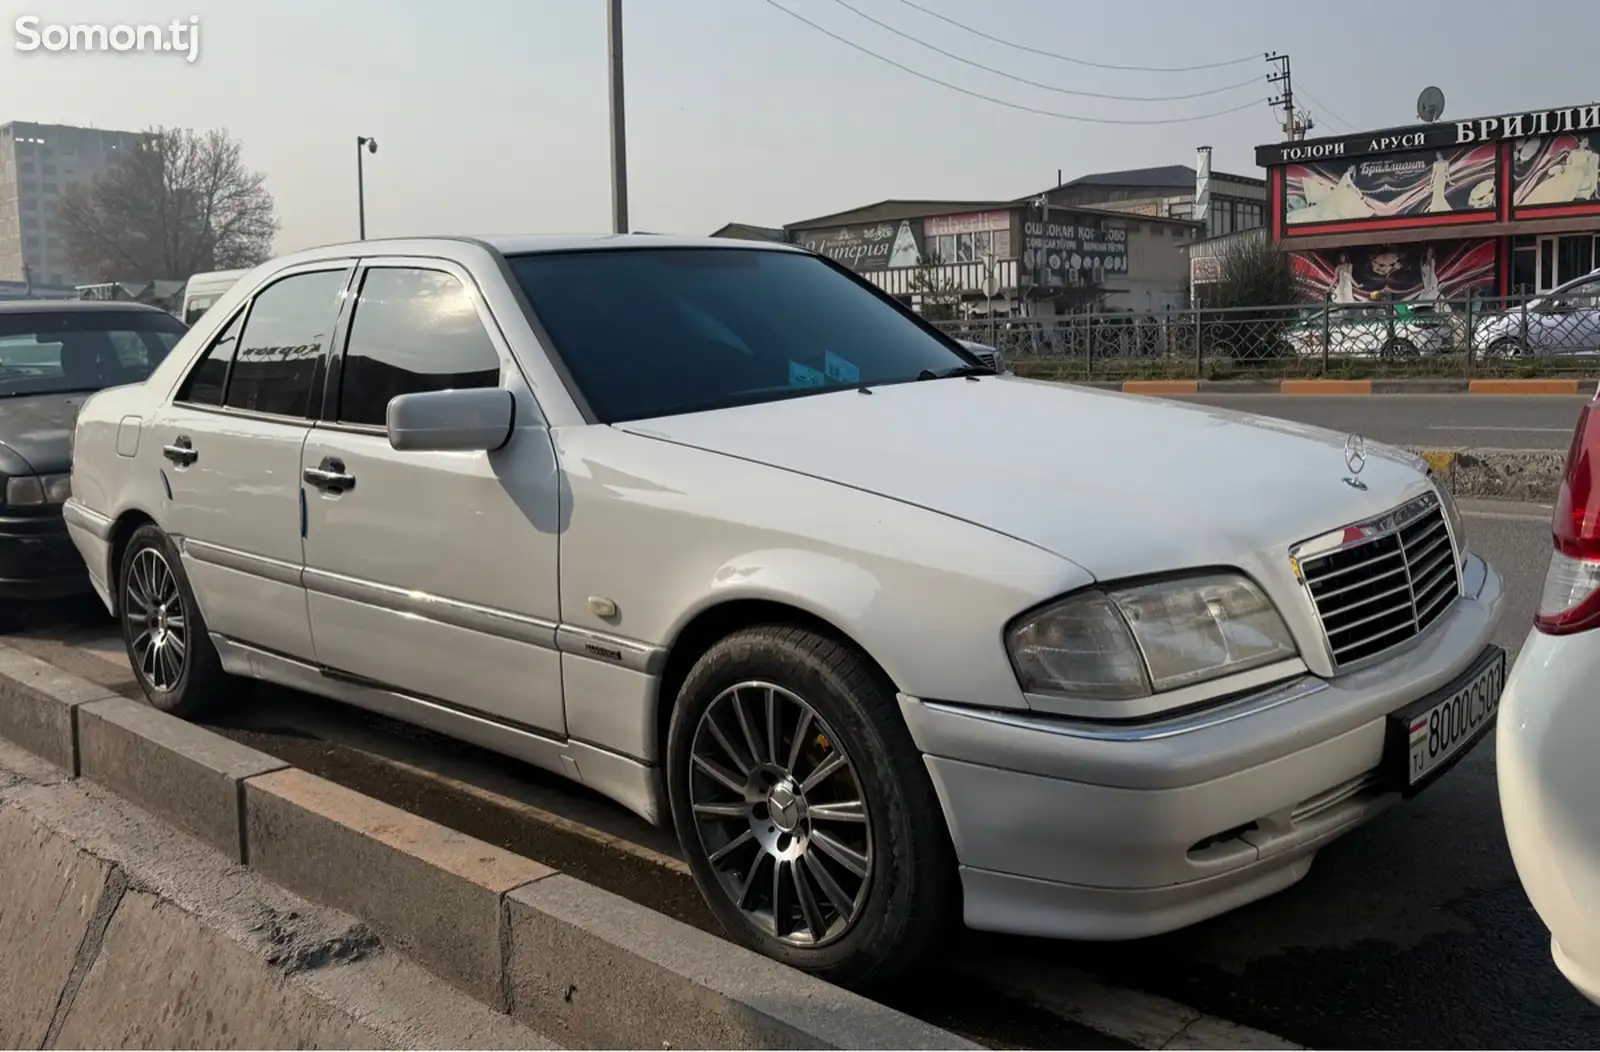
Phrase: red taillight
(1571, 599)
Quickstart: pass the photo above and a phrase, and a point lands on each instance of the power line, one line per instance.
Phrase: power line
(1034, 83)
(1002, 102)
(1327, 112)
(1078, 61)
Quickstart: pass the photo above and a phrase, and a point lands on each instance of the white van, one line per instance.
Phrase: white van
(203, 290)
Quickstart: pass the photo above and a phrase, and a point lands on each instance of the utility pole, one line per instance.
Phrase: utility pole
(1295, 122)
(619, 135)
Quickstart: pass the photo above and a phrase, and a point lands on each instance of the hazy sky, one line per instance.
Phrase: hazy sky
(491, 114)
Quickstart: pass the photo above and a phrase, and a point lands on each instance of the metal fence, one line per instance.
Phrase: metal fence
(1537, 335)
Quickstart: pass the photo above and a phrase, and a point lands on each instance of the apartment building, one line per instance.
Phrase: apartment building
(36, 162)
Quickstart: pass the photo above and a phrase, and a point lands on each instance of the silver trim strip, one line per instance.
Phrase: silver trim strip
(1239, 709)
(78, 515)
(487, 620)
(628, 653)
(244, 562)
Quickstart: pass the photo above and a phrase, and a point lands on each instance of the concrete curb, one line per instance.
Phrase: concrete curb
(1347, 387)
(502, 928)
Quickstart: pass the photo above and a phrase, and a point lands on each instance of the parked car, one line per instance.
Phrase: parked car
(203, 290)
(1550, 728)
(989, 356)
(1388, 330)
(1567, 321)
(54, 354)
(719, 530)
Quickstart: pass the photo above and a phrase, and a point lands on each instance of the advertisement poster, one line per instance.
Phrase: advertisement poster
(875, 247)
(1414, 273)
(1057, 255)
(1556, 170)
(1426, 182)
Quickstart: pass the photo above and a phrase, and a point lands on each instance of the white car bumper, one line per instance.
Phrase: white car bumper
(1070, 830)
(1548, 759)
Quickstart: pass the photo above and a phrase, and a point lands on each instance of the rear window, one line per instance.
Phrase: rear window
(655, 332)
(44, 352)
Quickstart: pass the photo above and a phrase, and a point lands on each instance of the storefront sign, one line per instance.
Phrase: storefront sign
(1433, 136)
(1205, 270)
(1056, 255)
(874, 247)
(970, 223)
(1431, 182)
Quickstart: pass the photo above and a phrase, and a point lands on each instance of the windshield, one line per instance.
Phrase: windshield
(45, 352)
(653, 332)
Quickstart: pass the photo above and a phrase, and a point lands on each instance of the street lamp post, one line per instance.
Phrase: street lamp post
(370, 145)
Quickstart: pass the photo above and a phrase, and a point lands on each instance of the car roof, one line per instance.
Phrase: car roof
(522, 244)
(59, 306)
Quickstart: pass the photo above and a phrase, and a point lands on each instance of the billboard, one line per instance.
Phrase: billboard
(876, 246)
(1415, 273)
(1556, 170)
(1056, 255)
(1453, 180)
(968, 237)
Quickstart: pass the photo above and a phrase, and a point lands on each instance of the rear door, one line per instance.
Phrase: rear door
(430, 572)
(229, 447)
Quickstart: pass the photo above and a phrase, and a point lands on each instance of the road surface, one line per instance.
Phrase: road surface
(1412, 932)
(1446, 421)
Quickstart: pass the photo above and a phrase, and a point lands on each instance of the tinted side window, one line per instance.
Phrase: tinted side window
(280, 353)
(205, 382)
(413, 330)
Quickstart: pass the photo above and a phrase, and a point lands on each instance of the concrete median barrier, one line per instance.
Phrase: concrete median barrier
(109, 955)
(1530, 475)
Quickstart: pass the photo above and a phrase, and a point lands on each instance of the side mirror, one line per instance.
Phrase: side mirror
(472, 420)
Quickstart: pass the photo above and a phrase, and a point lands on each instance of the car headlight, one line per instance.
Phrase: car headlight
(1130, 642)
(24, 490)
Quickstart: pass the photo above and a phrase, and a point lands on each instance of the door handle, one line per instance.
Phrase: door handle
(330, 475)
(181, 451)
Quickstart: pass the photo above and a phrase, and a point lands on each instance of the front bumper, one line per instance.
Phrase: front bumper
(1545, 754)
(38, 560)
(1073, 830)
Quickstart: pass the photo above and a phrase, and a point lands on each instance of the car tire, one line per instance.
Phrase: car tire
(893, 870)
(166, 638)
(1504, 347)
(1399, 347)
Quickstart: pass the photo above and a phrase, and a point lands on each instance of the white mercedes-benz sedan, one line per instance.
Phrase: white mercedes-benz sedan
(725, 533)
(1549, 737)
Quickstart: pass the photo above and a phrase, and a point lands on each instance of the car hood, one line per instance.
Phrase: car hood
(1118, 484)
(38, 428)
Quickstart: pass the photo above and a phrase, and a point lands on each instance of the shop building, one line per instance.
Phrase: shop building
(1045, 259)
(1493, 206)
(1234, 202)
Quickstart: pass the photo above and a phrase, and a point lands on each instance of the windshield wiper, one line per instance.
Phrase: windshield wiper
(956, 370)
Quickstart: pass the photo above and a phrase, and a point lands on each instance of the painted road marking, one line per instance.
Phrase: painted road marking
(1500, 427)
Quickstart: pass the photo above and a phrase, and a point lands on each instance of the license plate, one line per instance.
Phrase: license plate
(1426, 737)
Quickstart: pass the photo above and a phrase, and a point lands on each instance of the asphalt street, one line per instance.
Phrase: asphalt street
(1413, 932)
(1443, 421)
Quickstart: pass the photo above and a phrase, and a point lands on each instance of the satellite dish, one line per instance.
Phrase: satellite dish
(1430, 104)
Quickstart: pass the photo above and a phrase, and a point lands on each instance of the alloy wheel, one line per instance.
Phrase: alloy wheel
(780, 813)
(157, 623)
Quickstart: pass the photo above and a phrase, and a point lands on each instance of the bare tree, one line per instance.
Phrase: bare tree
(937, 289)
(180, 203)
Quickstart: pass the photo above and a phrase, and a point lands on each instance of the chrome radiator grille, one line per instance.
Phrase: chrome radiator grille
(1381, 583)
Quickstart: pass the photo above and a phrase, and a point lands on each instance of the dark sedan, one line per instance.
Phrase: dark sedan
(54, 354)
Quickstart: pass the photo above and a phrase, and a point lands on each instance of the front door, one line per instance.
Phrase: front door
(434, 573)
(230, 459)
